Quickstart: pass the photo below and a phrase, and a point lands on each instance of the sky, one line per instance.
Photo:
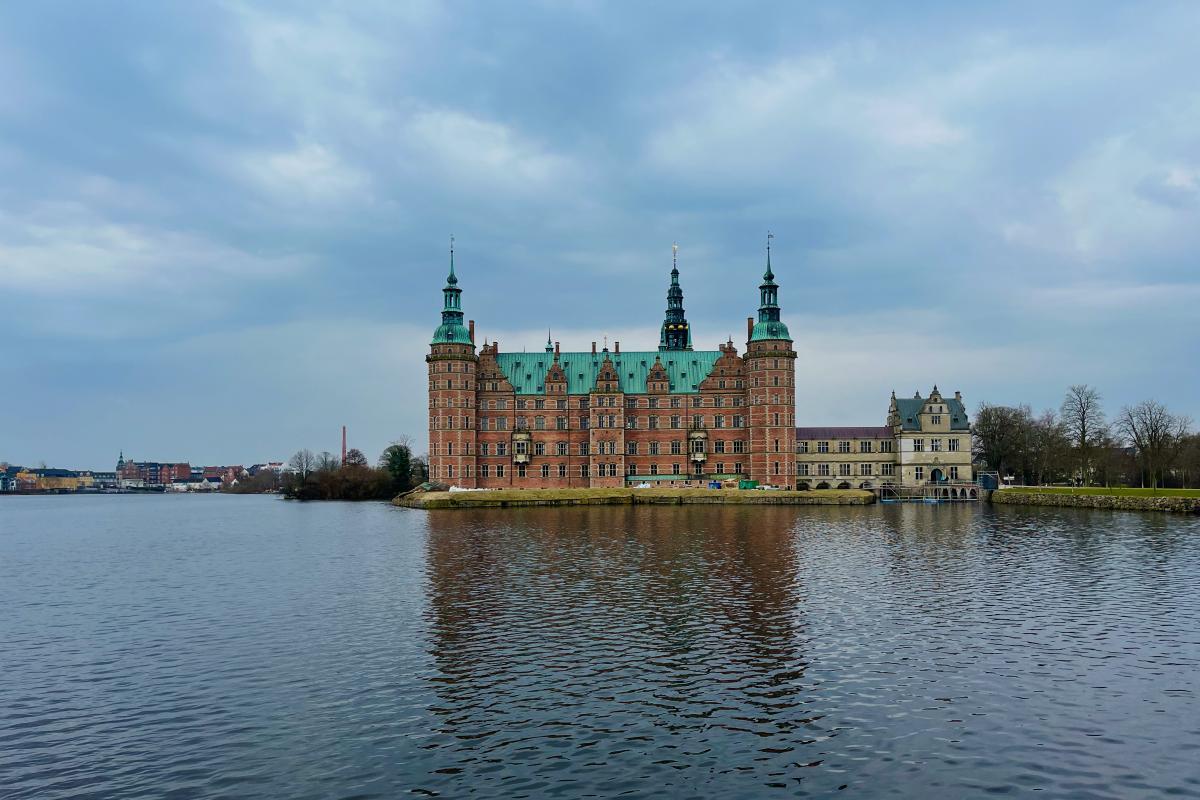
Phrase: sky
(224, 225)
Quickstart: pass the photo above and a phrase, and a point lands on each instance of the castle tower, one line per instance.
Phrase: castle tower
(770, 370)
(452, 362)
(675, 334)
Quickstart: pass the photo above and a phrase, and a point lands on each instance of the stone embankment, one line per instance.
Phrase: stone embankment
(1116, 502)
(513, 498)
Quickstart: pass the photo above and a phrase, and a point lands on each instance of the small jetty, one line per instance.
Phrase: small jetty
(965, 492)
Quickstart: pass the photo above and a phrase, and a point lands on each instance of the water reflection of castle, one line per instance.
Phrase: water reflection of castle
(560, 627)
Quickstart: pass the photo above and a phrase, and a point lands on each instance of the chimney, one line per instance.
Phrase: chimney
(593, 348)
(617, 347)
(958, 395)
(343, 444)
(556, 351)
(471, 330)
(749, 327)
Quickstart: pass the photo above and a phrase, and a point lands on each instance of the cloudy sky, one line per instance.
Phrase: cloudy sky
(223, 225)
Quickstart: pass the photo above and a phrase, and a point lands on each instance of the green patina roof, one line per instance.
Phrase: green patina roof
(910, 407)
(685, 369)
(770, 330)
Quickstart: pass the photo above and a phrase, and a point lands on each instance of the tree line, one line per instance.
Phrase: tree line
(1143, 445)
(324, 477)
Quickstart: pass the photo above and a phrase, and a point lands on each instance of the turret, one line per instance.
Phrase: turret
(452, 387)
(770, 372)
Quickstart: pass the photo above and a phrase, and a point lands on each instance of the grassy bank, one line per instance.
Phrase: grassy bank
(1118, 499)
(1115, 491)
(506, 498)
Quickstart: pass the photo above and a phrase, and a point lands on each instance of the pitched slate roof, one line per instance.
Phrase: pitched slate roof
(852, 432)
(685, 369)
(910, 407)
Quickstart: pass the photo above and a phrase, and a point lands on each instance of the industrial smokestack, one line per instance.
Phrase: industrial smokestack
(343, 444)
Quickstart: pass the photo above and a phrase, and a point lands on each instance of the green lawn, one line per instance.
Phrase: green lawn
(1119, 491)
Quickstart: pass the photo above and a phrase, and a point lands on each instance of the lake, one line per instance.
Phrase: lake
(233, 646)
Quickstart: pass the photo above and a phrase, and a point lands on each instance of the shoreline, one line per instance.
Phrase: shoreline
(520, 498)
(1177, 504)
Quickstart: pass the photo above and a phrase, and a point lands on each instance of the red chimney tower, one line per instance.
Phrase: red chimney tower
(343, 444)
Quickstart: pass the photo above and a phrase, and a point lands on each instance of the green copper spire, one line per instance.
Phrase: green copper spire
(769, 325)
(675, 333)
(452, 329)
(549, 344)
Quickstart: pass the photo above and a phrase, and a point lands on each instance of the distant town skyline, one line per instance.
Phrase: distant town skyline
(224, 228)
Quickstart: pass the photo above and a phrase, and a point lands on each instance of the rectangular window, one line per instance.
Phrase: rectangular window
(864, 469)
(843, 447)
(864, 446)
(545, 470)
(885, 446)
(775, 421)
(561, 448)
(719, 446)
(720, 468)
(887, 469)
(539, 404)
(675, 403)
(485, 449)
(501, 448)
(739, 446)
(675, 469)
(631, 448)
(522, 471)
(583, 448)
(918, 445)
(823, 470)
(843, 469)
(802, 447)
(739, 421)
(631, 402)
(954, 473)
(539, 449)
(935, 445)
(654, 448)
(560, 423)
(583, 423)
(483, 470)
(654, 469)
(674, 420)
(653, 423)
(719, 421)
(919, 473)
(953, 445)
(562, 470)
(676, 448)
(520, 404)
(584, 470)
(822, 447)
(801, 469)
(653, 402)
(935, 419)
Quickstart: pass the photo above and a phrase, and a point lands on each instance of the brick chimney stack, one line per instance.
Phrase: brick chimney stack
(616, 347)
(471, 330)
(749, 327)
(593, 348)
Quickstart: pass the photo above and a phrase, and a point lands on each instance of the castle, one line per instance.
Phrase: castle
(674, 416)
(671, 416)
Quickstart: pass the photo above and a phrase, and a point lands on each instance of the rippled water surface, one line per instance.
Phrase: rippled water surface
(249, 647)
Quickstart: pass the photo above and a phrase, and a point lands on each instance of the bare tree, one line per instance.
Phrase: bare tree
(327, 462)
(303, 463)
(355, 458)
(1156, 434)
(1083, 417)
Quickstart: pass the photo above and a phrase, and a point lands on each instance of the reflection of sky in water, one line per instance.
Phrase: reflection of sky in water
(245, 646)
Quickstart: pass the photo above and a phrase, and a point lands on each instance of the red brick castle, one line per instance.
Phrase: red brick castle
(671, 417)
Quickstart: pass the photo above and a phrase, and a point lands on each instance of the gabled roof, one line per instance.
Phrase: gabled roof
(851, 432)
(909, 407)
(685, 369)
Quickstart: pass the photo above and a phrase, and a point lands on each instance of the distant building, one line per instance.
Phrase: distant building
(926, 440)
(150, 473)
